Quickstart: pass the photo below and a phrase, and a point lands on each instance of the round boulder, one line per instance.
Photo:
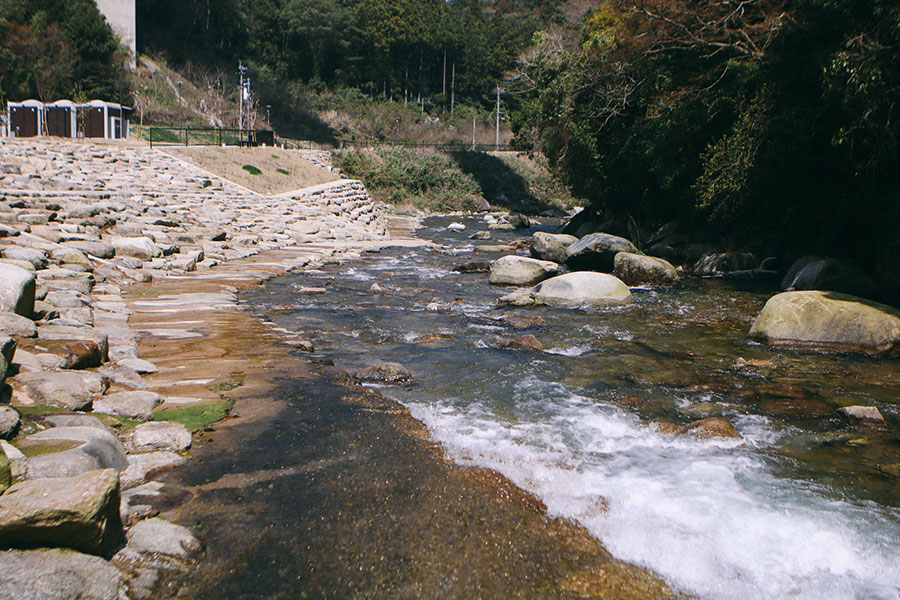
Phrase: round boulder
(830, 320)
(520, 270)
(637, 269)
(582, 287)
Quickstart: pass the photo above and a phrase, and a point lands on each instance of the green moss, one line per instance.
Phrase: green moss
(41, 411)
(252, 170)
(196, 417)
(48, 447)
(283, 171)
(225, 386)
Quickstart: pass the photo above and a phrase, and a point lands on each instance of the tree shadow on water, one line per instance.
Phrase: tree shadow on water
(498, 181)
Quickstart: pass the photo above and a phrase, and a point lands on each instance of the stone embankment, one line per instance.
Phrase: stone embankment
(81, 434)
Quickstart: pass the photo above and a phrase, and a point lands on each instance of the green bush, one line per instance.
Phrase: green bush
(252, 170)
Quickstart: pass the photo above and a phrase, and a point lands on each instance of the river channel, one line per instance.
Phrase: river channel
(802, 505)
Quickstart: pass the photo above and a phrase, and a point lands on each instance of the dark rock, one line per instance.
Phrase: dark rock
(636, 269)
(597, 251)
(473, 267)
(819, 273)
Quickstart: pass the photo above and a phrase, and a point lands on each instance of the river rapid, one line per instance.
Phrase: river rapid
(802, 505)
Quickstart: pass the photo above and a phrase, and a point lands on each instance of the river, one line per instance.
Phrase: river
(801, 505)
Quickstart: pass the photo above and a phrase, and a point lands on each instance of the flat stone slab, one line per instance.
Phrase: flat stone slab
(137, 405)
(62, 390)
(79, 512)
(161, 435)
(58, 575)
(157, 536)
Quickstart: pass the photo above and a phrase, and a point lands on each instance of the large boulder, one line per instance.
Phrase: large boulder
(574, 289)
(59, 575)
(17, 288)
(551, 246)
(830, 274)
(94, 449)
(520, 270)
(830, 320)
(637, 269)
(597, 252)
(61, 390)
(79, 512)
(96, 249)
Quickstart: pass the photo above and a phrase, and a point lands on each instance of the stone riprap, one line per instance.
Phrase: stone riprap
(79, 222)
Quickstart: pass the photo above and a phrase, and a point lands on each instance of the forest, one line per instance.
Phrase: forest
(768, 125)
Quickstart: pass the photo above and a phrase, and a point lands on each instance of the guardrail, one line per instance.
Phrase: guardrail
(209, 136)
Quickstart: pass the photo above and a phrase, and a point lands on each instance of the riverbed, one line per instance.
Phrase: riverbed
(802, 505)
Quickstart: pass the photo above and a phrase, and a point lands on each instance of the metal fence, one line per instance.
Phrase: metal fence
(218, 136)
(209, 136)
(414, 145)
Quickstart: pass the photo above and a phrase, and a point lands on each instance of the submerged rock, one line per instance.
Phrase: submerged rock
(830, 320)
(520, 270)
(862, 414)
(159, 537)
(527, 341)
(386, 372)
(711, 427)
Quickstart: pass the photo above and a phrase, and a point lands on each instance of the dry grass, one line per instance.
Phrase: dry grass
(280, 170)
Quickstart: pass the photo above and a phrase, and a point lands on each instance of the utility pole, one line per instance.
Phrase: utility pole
(498, 89)
(453, 89)
(242, 70)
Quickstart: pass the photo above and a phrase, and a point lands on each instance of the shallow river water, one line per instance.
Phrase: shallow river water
(802, 505)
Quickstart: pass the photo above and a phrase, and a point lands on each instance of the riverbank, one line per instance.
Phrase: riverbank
(138, 257)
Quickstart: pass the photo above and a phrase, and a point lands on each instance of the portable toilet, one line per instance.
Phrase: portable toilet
(106, 120)
(26, 119)
(61, 119)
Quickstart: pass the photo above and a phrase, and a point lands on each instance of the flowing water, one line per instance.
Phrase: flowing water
(802, 505)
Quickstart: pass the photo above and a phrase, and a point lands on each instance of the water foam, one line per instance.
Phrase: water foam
(709, 515)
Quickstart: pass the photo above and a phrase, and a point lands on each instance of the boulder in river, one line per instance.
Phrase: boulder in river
(597, 252)
(828, 320)
(79, 512)
(520, 270)
(637, 269)
(830, 274)
(551, 246)
(717, 265)
(386, 372)
(582, 287)
(862, 414)
(710, 427)
(528, 342)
